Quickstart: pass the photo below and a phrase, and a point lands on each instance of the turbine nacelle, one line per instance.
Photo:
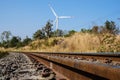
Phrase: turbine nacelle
(63, 17)
(58, 17)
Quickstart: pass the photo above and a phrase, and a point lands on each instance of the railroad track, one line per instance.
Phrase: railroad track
(82, 66)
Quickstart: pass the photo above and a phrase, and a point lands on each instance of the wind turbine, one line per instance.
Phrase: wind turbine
(57, 17)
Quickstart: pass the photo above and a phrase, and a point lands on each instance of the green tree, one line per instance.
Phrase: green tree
(58, 33)
(15, 42)
(83, 30)
(39, 34)
(95, 29)
(86, 30)
(70, 33)
(5, 36)
(26, 41)
(48, 29)
(110, 27)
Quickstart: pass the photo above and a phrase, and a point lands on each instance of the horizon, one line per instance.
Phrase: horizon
(24, 17)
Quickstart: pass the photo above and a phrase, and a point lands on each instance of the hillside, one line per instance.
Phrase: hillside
(79, 42)
(104, 38)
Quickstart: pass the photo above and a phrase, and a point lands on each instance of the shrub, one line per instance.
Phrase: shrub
(109, 43)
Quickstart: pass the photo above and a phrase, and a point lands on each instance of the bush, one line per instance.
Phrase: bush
(109, 43)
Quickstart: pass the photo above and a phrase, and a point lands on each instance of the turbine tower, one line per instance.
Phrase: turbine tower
(57, 17)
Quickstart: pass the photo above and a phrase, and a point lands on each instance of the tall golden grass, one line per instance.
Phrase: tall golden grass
(86, 42)
(79, 42)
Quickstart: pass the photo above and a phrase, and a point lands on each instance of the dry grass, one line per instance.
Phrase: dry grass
(79, 42)
(110, 43)
(85, 42)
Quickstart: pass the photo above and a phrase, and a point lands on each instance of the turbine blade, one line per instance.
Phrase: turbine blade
(53, 10)
(65, 17)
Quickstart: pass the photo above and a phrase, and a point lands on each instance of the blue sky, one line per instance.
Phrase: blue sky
(24, 17)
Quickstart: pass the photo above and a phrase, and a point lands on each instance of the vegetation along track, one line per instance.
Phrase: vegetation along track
(82, 66)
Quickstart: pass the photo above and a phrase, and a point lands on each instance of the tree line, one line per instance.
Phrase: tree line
(108, 27)
(47, 32)
(9, 41)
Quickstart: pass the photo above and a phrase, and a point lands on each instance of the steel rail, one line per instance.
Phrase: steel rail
(79, 65)
(95, 56)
